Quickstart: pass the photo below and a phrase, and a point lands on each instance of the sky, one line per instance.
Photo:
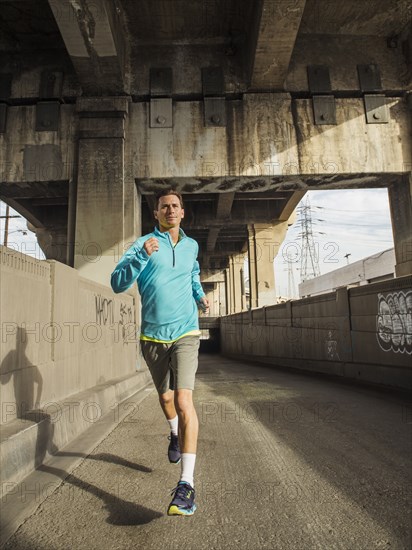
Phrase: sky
(349, 221)
(19, 237)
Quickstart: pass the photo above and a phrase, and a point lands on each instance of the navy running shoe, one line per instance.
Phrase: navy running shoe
(173, 452)
(183, 503)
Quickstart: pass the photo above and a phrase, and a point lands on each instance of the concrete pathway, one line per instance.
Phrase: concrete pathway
(285, 461)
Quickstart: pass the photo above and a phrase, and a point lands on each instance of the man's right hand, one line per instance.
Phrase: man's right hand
(151, 245)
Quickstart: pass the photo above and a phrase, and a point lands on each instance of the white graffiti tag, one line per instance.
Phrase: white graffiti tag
(394, 322)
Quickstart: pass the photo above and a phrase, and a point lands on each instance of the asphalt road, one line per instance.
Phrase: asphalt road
(285, 461)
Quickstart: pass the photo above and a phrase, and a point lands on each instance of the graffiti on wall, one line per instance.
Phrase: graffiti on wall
(120, 321)
(127, 321)
(104, 310)
(331, 348)
(394, 322)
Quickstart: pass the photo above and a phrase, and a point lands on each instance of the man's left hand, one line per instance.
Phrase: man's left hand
(204, 304)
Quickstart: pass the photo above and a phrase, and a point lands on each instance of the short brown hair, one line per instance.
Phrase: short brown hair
(166, 192)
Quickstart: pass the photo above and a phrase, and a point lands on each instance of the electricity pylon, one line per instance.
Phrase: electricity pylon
(309, 265)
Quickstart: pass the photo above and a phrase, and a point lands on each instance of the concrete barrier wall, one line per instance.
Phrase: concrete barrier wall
(61, 334)
(362, 333)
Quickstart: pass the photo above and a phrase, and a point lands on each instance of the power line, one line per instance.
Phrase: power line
(352, 211)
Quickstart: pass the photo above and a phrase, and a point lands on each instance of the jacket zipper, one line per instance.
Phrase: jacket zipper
(173, 249)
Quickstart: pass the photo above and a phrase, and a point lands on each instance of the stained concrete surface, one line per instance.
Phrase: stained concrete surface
(285, 461)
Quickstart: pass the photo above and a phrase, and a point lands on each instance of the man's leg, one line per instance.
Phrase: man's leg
(184, 361)
(167, 403)
(183, 502)
(188, 422)
(157, 357)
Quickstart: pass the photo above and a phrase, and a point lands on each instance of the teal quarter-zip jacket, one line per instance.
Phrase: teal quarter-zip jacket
(168, 281)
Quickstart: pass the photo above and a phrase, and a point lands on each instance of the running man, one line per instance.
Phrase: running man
(164, 264)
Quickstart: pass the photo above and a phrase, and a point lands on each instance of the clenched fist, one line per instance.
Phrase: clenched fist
(204, 304)
(151, 245)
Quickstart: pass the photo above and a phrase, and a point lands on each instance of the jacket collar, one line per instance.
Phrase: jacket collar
(158, 233)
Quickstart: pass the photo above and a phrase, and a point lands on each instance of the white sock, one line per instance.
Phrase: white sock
(188, 467)
(174, 424)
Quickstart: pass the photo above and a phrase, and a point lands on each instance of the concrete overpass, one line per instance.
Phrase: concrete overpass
(241, 106)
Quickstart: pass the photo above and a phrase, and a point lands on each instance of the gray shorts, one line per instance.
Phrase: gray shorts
(172, 366)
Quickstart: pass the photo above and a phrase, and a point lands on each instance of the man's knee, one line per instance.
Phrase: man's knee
(166, 398)
(184, 400)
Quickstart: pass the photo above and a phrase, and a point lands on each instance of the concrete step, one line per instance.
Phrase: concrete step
(26, 443)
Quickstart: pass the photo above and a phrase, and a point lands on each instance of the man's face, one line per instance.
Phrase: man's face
(169, 212)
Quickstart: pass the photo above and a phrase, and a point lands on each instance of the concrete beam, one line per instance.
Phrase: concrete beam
(290, 205)
(212, 238)
(95, 40)
(213, 276)
(224, 207)
(274, 38)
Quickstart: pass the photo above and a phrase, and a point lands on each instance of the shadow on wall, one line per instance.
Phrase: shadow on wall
(28, 387)
(25, 378)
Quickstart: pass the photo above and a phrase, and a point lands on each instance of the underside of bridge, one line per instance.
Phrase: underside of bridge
(240, 105)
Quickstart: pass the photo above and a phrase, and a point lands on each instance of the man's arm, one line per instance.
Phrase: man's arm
(197, 290)
(131, 264)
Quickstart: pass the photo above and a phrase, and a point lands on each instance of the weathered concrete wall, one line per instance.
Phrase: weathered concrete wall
(105, 146)
(268, 141)
(61, 334)
(265, 138)
(30, 156)
(353, 146)
(341, 54)
(362, 334)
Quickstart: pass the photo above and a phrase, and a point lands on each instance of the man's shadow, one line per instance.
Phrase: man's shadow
(25, 376)
(28, 387)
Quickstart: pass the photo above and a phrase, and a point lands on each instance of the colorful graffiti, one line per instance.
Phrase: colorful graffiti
(394, 322)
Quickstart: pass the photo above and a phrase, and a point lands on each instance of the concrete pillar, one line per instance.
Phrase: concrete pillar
(252, 266)
(232, 285)
(213, 295)
(222, 298)
(261, 244)
(401, 213)
(218, 279)
(237, 288)
(243, 290)
(107, 206)
(228, 300)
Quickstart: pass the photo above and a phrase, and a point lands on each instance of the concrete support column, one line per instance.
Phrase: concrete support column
(222, 299)
(237, 288)
(252, 266)
(214, 300)
(232, 285)
(228, 300)
(261, 244)
(400, 199)
(107, 203)
(243, 290)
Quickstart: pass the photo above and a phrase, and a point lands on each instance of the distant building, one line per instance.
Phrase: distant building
(375, 268)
